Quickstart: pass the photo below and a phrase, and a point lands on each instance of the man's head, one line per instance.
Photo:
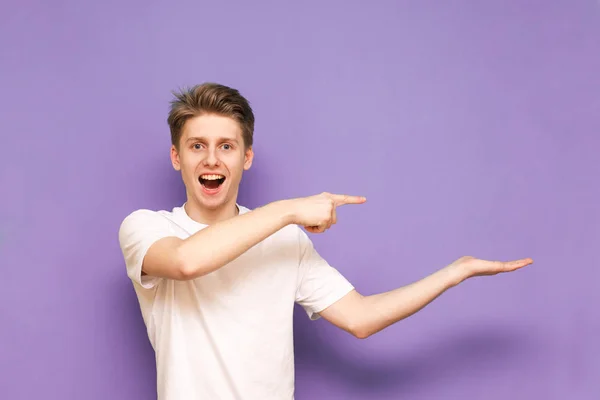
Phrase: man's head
(212, 129)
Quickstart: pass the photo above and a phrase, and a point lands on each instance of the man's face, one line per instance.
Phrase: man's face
(211, 158)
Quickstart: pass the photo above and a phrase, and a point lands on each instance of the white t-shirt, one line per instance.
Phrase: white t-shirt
(228, 335)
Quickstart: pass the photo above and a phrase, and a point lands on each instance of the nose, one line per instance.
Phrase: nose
(211, 159)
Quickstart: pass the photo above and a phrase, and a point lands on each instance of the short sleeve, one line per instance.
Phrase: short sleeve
(319, 284)
(138, 231)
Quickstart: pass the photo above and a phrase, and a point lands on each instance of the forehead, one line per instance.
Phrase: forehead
(211, 126)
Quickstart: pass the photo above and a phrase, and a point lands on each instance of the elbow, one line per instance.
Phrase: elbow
(186, 270)
(359, 323)
(359, 331)
(361, 334)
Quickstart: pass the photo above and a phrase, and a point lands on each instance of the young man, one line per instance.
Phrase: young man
(217, 282)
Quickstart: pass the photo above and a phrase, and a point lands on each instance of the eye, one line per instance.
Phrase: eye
(196, 146)
(227, 146)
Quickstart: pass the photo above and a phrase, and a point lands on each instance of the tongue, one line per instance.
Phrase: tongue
(211, 184)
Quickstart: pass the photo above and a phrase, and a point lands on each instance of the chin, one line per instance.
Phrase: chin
(211, 204)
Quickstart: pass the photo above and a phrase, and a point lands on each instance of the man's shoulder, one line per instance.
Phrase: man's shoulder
(142, 215)
(146, 219)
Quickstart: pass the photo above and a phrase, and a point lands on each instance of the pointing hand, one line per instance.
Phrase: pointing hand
(317, 213)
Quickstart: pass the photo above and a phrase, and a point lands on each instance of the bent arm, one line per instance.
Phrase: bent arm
(213, 247)
(149, 251)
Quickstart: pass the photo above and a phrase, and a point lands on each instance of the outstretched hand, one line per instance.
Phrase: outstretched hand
(317, 213)
(469, 266)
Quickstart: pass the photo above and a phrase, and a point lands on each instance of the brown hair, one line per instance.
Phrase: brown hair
(210, 98)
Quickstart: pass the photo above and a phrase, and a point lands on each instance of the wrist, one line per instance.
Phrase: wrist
(285, 210)
(456, 274)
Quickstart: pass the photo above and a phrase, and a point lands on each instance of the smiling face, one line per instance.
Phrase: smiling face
(212, 157)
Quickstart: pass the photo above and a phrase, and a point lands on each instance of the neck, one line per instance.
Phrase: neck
(209, 216)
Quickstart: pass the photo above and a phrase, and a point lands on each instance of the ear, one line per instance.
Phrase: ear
(175, 158)
(248, 158)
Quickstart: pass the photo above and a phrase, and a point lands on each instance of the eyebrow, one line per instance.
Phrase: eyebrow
(220, 139)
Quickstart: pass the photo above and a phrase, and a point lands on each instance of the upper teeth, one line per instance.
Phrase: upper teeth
(211, 177)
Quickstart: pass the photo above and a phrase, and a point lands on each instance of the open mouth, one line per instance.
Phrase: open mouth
(211, 181)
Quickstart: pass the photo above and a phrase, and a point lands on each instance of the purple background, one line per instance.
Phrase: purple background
(472, 128)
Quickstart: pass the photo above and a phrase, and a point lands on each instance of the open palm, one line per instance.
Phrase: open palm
(475, 267)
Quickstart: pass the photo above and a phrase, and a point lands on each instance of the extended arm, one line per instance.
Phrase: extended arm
(364, 316)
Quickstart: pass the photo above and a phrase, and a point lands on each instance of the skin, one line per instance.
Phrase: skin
(214, 144)
(211, 144)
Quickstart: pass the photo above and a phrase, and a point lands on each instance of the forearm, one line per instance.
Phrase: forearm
(214, 246)
(382, 310)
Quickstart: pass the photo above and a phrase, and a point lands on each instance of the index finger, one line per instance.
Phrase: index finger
(341, 199)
